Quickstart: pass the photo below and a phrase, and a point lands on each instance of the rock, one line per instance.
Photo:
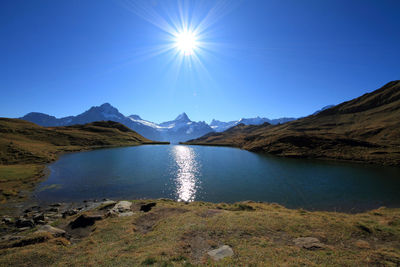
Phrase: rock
(38, 217)
(308, 243)
(31, 209)
(69, 212)
(53, 209)
(55, 205)
(220, 253)
(147, 207)
(22, 223)
(122, 206)
(7, 220)
(52, 230)
(107, 204)
(84, 221)
(362, 244)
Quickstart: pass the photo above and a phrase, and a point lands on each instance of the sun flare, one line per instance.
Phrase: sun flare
(186, 42)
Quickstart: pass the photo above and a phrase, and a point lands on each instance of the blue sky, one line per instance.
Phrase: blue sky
(269, 58)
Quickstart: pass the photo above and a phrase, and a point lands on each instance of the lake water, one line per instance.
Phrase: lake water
(218, 174)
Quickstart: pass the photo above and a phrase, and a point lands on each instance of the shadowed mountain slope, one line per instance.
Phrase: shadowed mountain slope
(25, 142)
(365, 129)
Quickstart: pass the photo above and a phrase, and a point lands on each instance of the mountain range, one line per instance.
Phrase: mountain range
(177, 130)
(365, 129)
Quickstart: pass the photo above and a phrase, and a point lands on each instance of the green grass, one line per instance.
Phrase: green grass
(17, 178)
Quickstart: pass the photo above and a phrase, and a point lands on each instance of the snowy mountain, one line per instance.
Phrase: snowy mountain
(180, 129)
(220, 126)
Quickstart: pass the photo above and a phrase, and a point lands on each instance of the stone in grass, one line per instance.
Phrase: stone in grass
(122, 206)
(220, 253)
(310, 243)
(52, 230)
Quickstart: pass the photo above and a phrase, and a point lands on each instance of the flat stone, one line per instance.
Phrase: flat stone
(122, 206)
(220, 253)
(362, 244)
(310, 243)
(52, 230)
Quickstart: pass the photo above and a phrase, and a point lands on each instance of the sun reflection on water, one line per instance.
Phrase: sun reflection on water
(186, 179)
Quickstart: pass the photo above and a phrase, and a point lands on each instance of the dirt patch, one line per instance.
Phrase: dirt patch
(196, 245)
(146, 222)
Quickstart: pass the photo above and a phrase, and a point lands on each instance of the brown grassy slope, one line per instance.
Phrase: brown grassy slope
(25, 147)
(26, 142)
(364, 129)
(260, 234)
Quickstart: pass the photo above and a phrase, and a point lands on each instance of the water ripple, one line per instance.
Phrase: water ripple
(187, 172)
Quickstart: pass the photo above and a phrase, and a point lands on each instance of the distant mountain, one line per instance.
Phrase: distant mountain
(364, 129)
(220, 126)
(180, 129)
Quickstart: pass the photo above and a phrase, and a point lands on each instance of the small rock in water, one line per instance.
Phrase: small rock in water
(220, 253)
(84, 221)
(147, 207)
(52, 230)
(308, 243)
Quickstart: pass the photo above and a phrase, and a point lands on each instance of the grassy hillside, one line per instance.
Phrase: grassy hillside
(179, 234)
(25, 147)
(365, 129)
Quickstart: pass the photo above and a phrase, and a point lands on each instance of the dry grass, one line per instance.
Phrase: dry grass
(260, 235)
(365, 129)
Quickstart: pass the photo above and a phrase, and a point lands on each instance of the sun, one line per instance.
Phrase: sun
(186, 42)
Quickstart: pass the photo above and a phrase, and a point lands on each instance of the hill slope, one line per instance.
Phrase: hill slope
(26, 142)
(25, 147)
(364, 129)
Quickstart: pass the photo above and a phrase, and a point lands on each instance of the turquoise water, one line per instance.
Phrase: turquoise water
(218, 174)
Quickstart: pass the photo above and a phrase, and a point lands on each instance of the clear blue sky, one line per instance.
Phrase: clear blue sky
(269, 58)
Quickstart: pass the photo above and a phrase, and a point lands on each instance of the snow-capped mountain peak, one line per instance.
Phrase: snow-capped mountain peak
(182, 117)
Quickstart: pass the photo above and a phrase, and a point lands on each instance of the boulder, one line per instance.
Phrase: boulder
(52, 230)
(310, 243)
(84, 221)
(122, 206)
(23, 223)
(220, 253)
